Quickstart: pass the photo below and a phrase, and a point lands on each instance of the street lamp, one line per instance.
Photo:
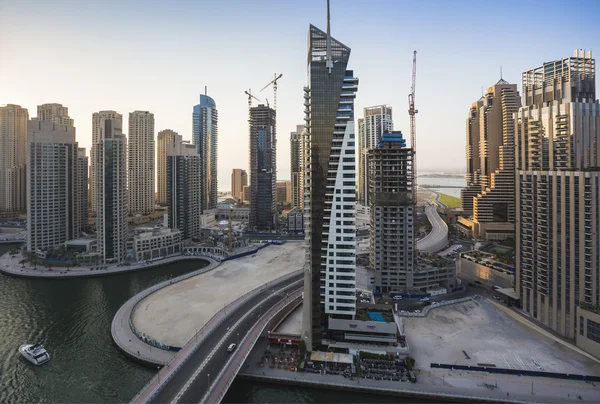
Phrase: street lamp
(238, 338)
(158, 374)
(208, 379)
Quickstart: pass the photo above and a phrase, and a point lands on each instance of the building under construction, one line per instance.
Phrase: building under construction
(391, 206)
(263, 169)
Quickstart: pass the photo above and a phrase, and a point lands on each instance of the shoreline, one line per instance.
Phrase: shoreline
(7, 267)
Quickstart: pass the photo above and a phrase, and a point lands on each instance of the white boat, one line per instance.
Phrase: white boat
(34, 353)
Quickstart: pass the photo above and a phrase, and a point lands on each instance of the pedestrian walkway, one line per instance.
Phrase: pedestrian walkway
(12, 266)
(122, 328)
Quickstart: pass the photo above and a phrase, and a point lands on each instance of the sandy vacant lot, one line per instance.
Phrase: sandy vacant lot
(489, 336)
(173, 314)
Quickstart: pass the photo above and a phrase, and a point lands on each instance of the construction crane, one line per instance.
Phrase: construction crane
(250, 96)
(413, 128)
(274, 82)
(413, 143)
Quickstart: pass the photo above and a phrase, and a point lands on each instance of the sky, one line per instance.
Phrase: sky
(158, 56)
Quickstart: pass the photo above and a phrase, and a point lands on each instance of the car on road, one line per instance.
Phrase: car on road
(397, 297)
(417, 311)
(496, 297)
(231, 347)
(425, 299)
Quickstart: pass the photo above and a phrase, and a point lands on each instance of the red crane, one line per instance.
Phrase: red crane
(413, 144)
(413, 128)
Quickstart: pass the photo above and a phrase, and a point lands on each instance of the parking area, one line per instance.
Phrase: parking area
(476, 332)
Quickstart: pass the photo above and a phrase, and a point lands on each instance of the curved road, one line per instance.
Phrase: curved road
(192, 380)
(438, 236)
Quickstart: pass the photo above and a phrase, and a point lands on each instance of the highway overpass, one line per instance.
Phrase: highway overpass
(438, 236)
(203, 370)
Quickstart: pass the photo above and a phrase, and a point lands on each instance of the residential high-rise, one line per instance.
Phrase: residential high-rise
(110, 184)
(205, 137)
(183, 188)
(140, 156)
(376, 120)
(263, 168)
(54, 113)
(558, 198)
(297, 166)
(246, 195)
(239, 179)
(165, 137)
(97, 118)
(52, 199)
(13, 150)
(284, 192)
(391, 207)
(81, 199)
(330, 200)
(488, 201)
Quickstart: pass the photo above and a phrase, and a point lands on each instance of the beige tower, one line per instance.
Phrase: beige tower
(52, 194)
(297, 167)
(97, 119)
(54, 113)
(140, 155)
(558, 198)
(164, 139)
(239, 179)
(13, 146)
(489, 199)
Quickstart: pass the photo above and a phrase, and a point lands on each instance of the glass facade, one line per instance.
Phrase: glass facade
(205, 138)
(326, 131)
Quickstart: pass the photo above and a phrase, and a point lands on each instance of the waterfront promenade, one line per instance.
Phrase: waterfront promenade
(10, 265)
(457, 386)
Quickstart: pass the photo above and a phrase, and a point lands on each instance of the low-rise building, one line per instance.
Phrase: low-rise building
(478, 266)
(295, 221)
(158, 243)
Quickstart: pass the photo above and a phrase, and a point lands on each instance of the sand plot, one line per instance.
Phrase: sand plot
(173, 314)
(475, 332)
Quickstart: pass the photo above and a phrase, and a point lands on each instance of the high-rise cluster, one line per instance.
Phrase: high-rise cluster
(13, 146)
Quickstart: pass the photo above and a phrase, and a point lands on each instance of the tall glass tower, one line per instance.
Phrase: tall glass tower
(205, 138)
(330, 203)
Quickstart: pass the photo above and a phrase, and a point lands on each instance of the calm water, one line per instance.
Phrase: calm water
(448, 181)
(72, 319)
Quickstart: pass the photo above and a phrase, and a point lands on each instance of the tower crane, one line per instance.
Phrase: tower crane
(413, 127)
(274, 82)
(413, 144)
(250, 96)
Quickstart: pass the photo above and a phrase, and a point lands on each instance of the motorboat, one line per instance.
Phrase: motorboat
(34, 353)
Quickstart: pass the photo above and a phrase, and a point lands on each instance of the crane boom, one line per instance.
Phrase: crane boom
(274, 82)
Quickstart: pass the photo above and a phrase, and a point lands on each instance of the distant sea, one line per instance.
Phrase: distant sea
(444, 181)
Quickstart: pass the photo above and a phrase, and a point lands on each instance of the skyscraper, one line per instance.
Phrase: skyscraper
(391, 206)
(263, 169)
(97, 118)
(205, 137)
(13, 150)
(489, 198)
(81, 199)
(297, 166)
(183, 188)
(558, 198)
(110, 183)
(52, 185)
(330, 284)
(376, 121)
(54, 113)
(140, 155)
(239, 179)
(165, 137)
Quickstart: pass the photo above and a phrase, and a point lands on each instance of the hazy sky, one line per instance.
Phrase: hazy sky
(157, 56)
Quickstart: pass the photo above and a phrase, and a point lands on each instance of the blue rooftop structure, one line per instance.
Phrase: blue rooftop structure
(374, 316)
(394, 136)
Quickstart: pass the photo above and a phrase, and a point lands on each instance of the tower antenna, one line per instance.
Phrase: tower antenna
(329, 60)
